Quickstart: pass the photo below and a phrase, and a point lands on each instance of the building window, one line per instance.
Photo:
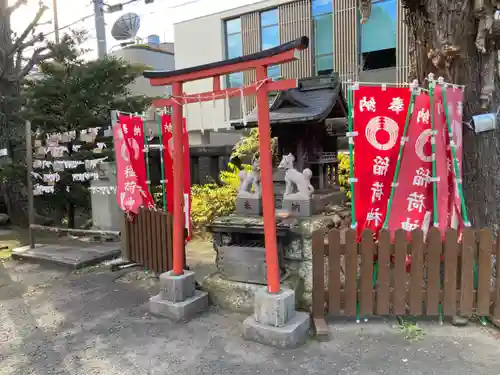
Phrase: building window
(322, 11)
(270, 37)
(378, 36)
(234, 48)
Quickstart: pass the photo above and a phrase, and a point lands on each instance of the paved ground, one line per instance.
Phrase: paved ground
(54, 321)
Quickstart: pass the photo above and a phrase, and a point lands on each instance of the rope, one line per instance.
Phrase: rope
(351, 154)
(414, 91)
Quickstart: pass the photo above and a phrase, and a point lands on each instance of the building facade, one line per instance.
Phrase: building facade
(376, 51)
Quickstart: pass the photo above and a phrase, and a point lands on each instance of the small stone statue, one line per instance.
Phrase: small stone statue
(250, 180)
(302, 181)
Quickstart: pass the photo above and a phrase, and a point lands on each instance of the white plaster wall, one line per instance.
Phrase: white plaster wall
(200, 41)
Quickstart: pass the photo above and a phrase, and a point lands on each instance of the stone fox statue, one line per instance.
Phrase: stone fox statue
(249, 180)
(293, 177)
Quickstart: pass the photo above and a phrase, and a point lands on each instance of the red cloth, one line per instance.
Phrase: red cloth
(133, 134)
(379, 118)
(127, 195)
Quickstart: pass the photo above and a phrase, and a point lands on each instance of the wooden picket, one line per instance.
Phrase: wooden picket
(446, 276)
(149, 240)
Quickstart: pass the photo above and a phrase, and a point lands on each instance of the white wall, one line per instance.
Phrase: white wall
(200, 41)
(155, 60)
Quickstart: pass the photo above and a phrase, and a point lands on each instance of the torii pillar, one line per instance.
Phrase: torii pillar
(275, 320)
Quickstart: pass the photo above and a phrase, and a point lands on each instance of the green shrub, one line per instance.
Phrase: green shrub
(344, 169)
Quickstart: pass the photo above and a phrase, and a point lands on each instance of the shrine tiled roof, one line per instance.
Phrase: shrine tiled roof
(314, 100)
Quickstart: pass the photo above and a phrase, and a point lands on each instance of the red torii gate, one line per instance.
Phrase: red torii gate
(258, 61)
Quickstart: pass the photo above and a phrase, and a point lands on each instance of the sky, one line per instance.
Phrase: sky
(156, 18)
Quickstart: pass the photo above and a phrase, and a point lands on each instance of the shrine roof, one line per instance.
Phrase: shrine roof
(314, 100)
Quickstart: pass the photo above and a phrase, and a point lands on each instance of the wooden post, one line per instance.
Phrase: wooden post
(29, 165)
(178, 211)
(266, 165)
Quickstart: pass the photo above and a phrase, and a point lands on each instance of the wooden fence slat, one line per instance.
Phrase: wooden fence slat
(433, 250)
(130, 239)
(165, 233)
(140, 237)
(168, 240)
(135, 230)
(383, 277)
(450, 272)
(351, 270)
(366, 276)
(149, 233)
(400, 276)
(467, 277)
(318, 292)
(155, 234)
(484, 272)
(417, 272)
(333, 271)
(145, 240)
(497, 286)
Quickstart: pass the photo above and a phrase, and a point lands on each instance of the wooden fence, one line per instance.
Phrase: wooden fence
(149, 240)
(405, 277)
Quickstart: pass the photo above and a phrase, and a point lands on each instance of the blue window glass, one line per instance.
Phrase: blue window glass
(379, 32)
(269, 18)
(322, 11)
(234, 48)
(270, 37)
(233, 26)
(321, 7)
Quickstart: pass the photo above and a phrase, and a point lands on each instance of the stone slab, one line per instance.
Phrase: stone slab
(243, 263)
(179, 311)
(274, 309)
(177, 288)
(68, 255)
(249, 206)
(291, 335)
(298, 208)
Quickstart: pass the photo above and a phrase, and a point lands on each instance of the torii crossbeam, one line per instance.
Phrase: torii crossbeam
(258, 62)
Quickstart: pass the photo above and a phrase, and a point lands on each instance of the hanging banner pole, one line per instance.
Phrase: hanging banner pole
(351, 153)
(456, 168)
(162, 166)
(414, 91)
(432, 86)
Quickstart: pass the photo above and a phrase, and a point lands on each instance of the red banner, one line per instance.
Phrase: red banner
(379, 118)
(127, 195)
(412, 206)
(133, 134)
(168, 158)
(441, 151)
(454, 98)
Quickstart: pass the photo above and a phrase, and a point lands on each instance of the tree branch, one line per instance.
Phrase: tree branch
(37, 57)
(16, 6)
(20, 41)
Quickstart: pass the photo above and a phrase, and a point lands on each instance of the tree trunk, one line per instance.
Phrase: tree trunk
(443, 34)
(71, 215)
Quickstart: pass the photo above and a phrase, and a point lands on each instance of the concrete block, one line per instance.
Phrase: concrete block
(179, 311)
(298, 208)
(177, 288)
(274, 309)
(293, 334)
(249, 206)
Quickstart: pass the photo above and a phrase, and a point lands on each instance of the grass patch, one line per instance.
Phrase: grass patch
(411, 331)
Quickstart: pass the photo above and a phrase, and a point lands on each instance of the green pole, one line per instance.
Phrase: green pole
(432, 85)
(400, 157)
(162, 166)
(146, 150)
(456, 168)
(351, 152)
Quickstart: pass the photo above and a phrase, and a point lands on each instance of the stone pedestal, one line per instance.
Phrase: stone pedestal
(106, 214)
(249, 206)
(178, 300)
(275, 321)
(298, 207)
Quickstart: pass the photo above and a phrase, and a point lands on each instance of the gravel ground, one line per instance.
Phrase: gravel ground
(59, 322)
